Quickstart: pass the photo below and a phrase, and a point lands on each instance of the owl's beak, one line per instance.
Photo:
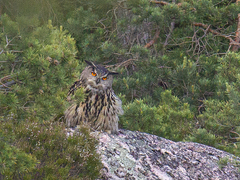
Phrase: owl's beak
(98, 80)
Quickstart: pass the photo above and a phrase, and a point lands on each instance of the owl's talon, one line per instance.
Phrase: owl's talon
(108, 131)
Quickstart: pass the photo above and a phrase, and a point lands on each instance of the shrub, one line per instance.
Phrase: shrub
(36, 74)
(171, 119)
(58, 156)
(14, 162)
(41, 73)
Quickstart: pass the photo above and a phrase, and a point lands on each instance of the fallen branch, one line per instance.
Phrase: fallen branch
(154, 40)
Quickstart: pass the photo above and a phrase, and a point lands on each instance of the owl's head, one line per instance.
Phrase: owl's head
(97, 77)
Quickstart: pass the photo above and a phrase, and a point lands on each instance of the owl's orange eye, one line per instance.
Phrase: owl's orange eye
(104, 78)
(94, 74)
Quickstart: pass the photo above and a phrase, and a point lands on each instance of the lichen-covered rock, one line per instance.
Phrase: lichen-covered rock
(135, 155)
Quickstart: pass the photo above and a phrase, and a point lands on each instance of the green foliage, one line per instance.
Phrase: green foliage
(174, 114)
(42, 73)
(90, 27)
(221, 116)
(36, 72)
(203, 137)
(229, 77)
(140, 117)
(160, 120)
(220, 119)
(184, 86)
(13, 161)
(224, 161)
(58, 156)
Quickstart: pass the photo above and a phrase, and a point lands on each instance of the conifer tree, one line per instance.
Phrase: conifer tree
(35, 74)
(177, 62)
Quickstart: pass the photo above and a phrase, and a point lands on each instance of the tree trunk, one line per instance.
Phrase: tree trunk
(237, 38)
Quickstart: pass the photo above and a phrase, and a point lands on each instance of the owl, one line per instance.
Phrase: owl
(101, 106)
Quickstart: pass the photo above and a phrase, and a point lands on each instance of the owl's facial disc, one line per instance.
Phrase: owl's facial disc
(98, 78)
(96, 82)
(96, 85)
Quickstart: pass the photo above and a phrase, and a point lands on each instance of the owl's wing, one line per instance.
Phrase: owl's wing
(117, 103)
(74, 87)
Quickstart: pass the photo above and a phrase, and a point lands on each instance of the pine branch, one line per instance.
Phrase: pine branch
(232, 42)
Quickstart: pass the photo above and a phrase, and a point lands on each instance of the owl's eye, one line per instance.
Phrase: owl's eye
(94, 74)
(104, 78)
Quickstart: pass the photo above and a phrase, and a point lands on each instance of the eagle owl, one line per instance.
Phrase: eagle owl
(101, 106)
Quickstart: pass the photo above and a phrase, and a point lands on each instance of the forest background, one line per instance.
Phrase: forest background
(179, 76)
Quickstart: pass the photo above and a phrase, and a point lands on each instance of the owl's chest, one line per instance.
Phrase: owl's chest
(94, 100)
(97, 104)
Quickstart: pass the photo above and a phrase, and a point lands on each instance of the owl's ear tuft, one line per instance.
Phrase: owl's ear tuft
(90, 63)
(112, 73)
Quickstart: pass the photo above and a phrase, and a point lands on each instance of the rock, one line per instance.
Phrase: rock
(135, 155)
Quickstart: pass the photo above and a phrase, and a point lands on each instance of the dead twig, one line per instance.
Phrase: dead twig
(9, 41)
(164, 67)
(199, 108)
(15, 51)
(124, 63)
(7, 84)
(164, 3)
(127, 62)
(169, 34)
(156, 36)
(235, 133)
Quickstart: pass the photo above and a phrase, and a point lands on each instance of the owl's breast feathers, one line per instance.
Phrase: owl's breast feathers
(100, 110)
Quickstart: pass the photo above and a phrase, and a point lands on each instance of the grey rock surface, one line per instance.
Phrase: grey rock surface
(135, 155)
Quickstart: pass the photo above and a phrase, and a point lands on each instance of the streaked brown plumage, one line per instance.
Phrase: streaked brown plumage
(101, 107)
